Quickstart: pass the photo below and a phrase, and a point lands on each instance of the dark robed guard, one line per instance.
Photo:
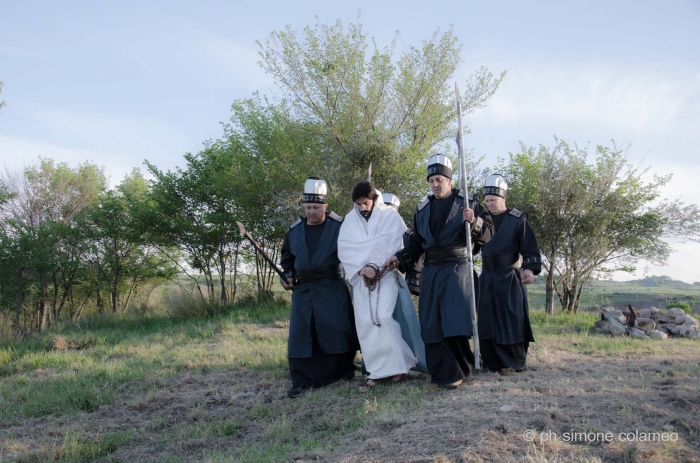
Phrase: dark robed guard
(439, 233)
(504, 323)
(322, 339)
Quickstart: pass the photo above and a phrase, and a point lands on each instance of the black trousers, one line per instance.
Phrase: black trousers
(499, 356)
(321, 369)
(450, 360)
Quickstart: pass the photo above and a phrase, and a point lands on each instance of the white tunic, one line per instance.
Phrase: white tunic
(360, 242)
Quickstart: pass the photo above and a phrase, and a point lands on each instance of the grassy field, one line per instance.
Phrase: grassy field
(598, 293)
(213, 390)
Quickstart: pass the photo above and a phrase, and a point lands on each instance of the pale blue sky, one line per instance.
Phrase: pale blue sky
(119, 82)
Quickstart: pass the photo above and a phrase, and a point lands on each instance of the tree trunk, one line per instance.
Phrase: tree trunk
(549, 290)
(100, 303)
(235, 272)
(222, 278)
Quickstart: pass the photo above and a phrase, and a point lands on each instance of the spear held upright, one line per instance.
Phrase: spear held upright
(470, 261)
(262, 252)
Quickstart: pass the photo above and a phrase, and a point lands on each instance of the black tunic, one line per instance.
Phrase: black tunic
(322, 338)
(444, 293)
(504, 323)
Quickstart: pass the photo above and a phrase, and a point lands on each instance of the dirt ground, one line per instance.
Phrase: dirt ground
(564, 408)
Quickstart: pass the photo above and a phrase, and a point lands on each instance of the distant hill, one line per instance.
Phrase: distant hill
(662, 280)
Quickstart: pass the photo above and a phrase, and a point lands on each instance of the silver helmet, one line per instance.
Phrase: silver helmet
(495, 185)
(392, 200)
(315, 191)
(439, 164)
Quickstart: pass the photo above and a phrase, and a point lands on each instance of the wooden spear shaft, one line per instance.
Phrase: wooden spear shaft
(470, 261)
(262, 252)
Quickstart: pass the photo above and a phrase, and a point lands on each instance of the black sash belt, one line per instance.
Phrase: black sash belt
(319, 275)
(500, 261)
(446, 256)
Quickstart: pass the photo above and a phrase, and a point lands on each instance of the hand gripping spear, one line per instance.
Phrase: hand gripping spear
(470, 262)
(262, 252)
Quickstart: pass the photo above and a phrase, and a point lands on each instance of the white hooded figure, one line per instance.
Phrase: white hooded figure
(371, 233)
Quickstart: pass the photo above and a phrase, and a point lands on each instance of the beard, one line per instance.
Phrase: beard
(366, 214)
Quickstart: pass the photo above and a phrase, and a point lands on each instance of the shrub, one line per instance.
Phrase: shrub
(182, 306)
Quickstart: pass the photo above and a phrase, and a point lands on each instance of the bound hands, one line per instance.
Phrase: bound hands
(527, 277)
(368, 273)
(467, 215)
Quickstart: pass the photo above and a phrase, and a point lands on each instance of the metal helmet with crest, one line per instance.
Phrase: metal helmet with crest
(439, 164)
(496, 185)
(392, 200)
(315, 191)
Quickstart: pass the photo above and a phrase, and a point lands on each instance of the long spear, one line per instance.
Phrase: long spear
(470, 262)
(262, 251)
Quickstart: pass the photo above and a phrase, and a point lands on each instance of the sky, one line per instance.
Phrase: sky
(117, 83)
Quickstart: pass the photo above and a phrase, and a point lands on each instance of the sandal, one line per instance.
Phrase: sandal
(367, 384)
(397, 378)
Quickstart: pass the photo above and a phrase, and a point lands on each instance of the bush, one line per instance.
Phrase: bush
(686, 306)
(182, 306)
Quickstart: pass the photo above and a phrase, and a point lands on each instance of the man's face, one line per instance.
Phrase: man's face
(495, 204)
(364, 207)
(315, 213)
(441, 186)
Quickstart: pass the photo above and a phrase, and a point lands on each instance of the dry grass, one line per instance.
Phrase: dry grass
(576, 384)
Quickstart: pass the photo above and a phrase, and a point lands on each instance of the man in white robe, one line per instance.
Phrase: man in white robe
(370, 234)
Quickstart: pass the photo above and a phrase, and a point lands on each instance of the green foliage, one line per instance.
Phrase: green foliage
(686, 306)
(366, 105)
(64, 239)
(589, 217)
(193, 213)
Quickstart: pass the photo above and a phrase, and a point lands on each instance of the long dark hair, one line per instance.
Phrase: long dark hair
(364, 190)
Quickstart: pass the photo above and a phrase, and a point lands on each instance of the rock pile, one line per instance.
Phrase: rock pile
(648, 323)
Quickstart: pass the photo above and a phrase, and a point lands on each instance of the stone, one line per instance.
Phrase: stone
(614, 315)
(656, 334)
(598, 325)
(645, 324)
(672, 329)
(689, 331)
(692, 321)
(616, 328)
(661, 328)
(663, 317)
(680, 319)
(644, 313)
(676, 311)
(637, 333)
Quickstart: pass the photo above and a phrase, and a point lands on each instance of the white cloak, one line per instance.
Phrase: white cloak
(360, 242)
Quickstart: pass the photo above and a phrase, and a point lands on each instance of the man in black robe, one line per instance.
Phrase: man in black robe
(443, 306)
(504, 323)
(322, 339)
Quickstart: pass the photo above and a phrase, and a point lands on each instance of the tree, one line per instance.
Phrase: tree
(273, 154)
(121, 258)
(192, 210)
(590, 218)
(375, 109)
(41, 236)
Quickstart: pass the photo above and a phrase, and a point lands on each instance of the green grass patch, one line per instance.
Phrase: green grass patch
(79, 367)
(561, 323)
